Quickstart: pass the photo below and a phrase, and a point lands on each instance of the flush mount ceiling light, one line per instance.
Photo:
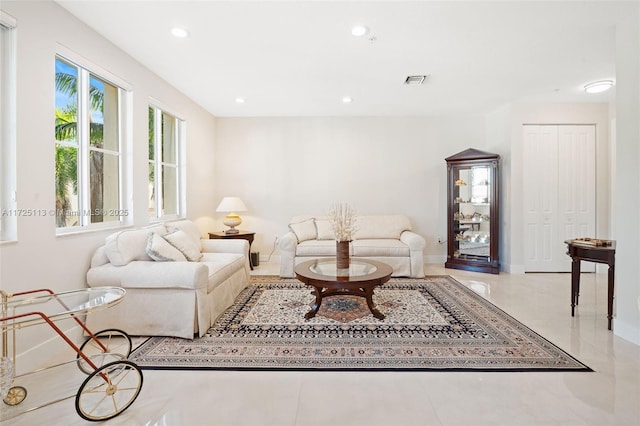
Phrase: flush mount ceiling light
(359, 30)
(598, 86)
(180, 32)
(347, 100)
(240, 100)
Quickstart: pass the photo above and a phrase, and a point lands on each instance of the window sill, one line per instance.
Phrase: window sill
(64, 232)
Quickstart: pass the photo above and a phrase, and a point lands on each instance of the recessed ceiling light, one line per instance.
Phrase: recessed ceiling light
(359, 30)
(239, 100)
(180, 32)
(598, 86)
(347, 100)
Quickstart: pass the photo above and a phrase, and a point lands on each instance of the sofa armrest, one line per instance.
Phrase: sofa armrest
(225, 246)
(288, 242)
(99, 257)
(150, 274)
(414, 241)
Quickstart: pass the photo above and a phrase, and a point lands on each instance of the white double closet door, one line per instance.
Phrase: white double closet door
(559, 182)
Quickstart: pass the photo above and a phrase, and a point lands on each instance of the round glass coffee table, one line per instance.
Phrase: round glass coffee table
(359, 280)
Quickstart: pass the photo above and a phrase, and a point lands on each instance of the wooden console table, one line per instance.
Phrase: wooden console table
(592, 250)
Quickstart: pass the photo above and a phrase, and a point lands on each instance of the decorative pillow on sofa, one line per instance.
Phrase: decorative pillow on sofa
(161, 250)
(183, 242)
(325, 230)
(305, 230)
(187, 226)
(123, 247)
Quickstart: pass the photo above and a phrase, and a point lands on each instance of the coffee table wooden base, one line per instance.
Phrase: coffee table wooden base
(320, 292)
(361, 285)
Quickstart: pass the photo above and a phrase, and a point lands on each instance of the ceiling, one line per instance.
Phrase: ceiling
(289, 58)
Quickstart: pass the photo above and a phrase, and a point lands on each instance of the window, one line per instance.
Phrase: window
(8, 211)
(165, 141)
(89, 124)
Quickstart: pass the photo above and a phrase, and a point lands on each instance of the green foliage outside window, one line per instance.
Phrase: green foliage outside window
(103, 164)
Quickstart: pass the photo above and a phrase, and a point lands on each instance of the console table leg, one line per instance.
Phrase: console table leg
(610, 279)
(575, 284)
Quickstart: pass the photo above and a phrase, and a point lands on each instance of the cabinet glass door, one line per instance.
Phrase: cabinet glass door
(473, 233)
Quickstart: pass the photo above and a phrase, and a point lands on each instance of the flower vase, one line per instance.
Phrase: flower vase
(342, 254)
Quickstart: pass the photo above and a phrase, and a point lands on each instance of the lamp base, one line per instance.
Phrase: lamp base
(232, 220)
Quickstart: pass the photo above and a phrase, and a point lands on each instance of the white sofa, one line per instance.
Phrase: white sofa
(180, 298)
(386, 238)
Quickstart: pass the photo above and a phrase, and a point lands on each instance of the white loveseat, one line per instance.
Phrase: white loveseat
(386, 238)
(180, 298)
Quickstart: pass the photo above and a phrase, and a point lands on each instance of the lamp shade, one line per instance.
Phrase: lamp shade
(231, 204)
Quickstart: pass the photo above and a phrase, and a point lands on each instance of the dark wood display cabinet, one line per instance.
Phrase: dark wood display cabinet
(472, 211)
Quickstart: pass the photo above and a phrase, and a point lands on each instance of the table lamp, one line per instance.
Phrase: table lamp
(231, 205)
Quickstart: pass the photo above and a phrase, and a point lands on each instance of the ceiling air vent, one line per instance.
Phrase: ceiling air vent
(415, 79)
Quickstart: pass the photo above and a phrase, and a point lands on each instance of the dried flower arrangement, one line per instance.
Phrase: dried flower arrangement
(343, 220)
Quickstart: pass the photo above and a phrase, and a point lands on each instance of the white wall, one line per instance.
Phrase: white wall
(281, 167)
(627, 177)
(40, 258)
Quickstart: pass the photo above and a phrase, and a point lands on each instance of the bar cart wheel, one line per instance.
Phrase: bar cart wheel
(15, 396)
(109, 390)
(114, 342)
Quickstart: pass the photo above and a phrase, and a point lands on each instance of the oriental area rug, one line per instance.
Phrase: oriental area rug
(431, 324)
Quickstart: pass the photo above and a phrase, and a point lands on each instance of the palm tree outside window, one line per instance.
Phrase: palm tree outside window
(88, 159)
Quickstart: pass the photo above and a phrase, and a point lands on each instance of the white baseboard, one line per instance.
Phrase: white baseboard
(434, 259)
(626, 331)
(275, 259)
(515, 269)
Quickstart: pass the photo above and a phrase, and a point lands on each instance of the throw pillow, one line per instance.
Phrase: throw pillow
(161, 250)
(123, 247)
(305, 230)
(180, 240)
(325, 230)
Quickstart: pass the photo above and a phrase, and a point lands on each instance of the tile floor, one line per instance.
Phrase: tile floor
(608, 396)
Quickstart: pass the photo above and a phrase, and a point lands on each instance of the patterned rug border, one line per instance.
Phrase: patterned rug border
(256, 281)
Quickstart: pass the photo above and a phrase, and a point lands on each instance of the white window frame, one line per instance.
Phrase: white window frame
(85, 69)
(8, 190)
(158, 163)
